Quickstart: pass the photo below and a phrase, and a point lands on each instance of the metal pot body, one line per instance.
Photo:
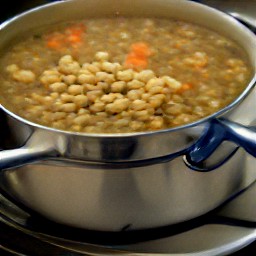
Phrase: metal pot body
(125, 199)
(131, 181)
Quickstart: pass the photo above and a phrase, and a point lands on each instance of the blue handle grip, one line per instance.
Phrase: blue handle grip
(241, 135)
(218, 131)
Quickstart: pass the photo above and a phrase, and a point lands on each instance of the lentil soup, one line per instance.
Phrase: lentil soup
(117, 75)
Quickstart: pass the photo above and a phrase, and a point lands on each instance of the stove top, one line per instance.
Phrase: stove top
(224, 231)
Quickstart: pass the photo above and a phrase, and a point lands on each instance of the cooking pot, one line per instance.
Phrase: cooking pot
(113, 182)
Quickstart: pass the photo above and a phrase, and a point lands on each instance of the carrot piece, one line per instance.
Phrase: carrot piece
(54, 41)
(141, 49)
(53, 44)
(71, 36)
(134, 62)
(74, 38)
(185, 87)
(137, 58)
(74, 33)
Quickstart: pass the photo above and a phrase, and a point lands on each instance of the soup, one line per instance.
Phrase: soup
(119, 75)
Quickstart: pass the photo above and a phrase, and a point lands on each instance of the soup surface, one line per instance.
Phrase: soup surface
(116, 75)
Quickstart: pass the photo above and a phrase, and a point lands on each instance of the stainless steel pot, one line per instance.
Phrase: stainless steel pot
(129, 181)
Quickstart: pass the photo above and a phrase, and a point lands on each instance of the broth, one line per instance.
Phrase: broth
(118, 75)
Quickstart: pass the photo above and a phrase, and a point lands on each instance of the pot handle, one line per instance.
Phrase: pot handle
(22, 156)
(35, 149)
(220, 130)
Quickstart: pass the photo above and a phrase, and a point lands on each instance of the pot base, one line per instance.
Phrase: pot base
(127, 199)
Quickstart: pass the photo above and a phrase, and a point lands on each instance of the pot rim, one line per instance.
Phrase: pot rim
(216, 114)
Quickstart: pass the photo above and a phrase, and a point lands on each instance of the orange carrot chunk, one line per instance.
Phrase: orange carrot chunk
(72, 36)
(54, 41)
(185, 87)
(137, 58)
(141, 49)
(134, 62)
